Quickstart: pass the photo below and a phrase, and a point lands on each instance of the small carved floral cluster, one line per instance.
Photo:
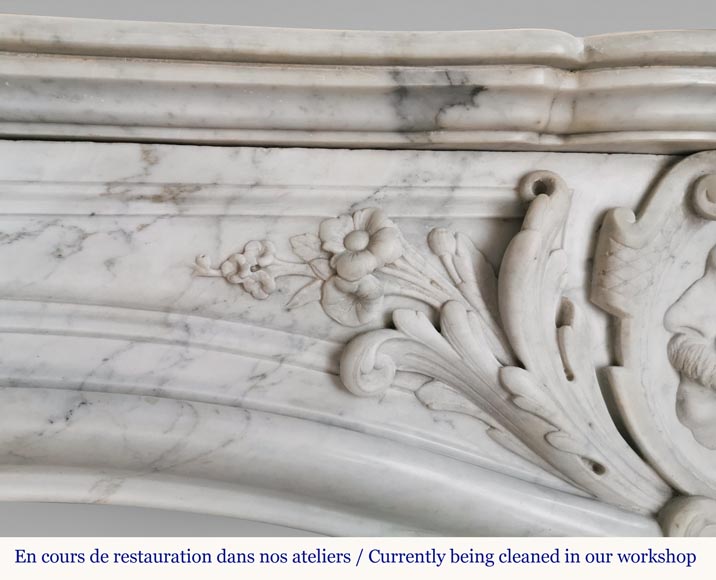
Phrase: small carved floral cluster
(249, 268)
(342, 260)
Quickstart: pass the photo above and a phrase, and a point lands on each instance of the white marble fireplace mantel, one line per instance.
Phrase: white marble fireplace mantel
(361, 283)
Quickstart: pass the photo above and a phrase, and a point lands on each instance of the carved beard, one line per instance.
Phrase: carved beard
(694, 358)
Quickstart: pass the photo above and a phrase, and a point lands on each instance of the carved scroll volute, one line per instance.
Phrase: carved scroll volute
(689, 517)
(655, 272)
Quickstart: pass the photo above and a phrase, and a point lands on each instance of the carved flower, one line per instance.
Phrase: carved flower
(352, 303)
(249, 268)
(360, 243)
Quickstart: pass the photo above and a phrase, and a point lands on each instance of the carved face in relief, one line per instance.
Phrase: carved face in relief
(692, 352)
(655, 272)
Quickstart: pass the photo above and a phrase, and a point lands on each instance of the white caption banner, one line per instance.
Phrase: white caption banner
(315, 558)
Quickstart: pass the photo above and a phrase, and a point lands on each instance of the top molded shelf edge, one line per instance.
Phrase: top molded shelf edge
(204, 42)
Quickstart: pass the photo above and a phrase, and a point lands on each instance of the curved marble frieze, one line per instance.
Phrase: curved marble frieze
(134, 373)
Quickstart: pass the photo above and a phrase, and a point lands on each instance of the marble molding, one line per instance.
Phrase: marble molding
(650, 92)
(359, 340)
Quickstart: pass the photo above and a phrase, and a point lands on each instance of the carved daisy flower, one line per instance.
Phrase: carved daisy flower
(360, 243)
(249, 268)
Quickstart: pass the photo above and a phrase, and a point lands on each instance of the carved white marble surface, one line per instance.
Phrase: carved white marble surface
(647, 92)
(360, 341)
